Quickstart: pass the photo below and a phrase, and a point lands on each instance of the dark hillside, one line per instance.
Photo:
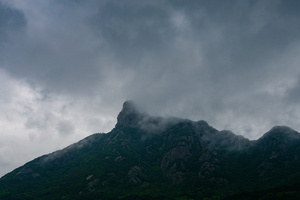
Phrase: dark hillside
(146, 157)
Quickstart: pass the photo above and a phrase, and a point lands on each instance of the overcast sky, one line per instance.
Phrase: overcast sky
(67, 66)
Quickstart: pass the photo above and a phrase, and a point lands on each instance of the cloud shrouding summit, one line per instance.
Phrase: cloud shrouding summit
(68, 66)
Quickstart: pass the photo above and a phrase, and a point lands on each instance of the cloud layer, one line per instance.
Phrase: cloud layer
(67, 67)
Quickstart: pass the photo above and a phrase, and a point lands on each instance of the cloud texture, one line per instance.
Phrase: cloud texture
(67, 66)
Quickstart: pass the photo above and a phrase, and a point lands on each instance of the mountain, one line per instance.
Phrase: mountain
(146, 157)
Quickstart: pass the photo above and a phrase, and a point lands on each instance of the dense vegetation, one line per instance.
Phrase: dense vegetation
(147, 157)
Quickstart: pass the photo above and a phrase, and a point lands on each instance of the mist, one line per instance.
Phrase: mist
(66, 67)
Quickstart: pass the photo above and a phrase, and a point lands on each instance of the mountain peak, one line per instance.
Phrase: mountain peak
(282, 128)
(283, 131)
(161, 155)
(281, 134)
(129, 115)
(129, 106)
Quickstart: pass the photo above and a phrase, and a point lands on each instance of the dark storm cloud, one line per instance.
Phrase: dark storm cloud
(131, 30)
(214, 60)
(11, 22)
(203, 51)
(55, 54)
(10, 19)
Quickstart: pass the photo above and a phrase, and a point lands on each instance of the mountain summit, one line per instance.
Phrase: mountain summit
(281, 133)
(146, 157)
(129, 115)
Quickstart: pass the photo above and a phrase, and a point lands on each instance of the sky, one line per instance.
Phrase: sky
(67, 66)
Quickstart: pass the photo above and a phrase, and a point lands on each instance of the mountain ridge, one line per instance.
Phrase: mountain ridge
(146, 157)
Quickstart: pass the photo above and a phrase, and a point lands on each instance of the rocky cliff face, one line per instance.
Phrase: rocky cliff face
(152, 157)
(130, 115)
(279, 148)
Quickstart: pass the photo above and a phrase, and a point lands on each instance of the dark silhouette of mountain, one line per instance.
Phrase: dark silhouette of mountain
(146, 157)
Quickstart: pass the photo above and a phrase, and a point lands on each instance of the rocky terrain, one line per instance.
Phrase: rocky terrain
(146, 157)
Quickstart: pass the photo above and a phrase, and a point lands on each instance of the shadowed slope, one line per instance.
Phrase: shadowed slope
(146, 157)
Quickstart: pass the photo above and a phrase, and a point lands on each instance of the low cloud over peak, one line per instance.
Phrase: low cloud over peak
(233, 64)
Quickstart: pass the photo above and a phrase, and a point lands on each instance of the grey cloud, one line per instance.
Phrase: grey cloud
(40, 122)
(61, 55)
(132, 29)
(65, 127)
(211, 60)
(10, 20)
(293, 92)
